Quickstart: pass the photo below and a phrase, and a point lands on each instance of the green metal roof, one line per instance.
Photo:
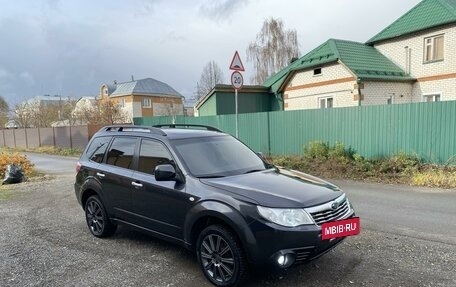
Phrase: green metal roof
(427, 14)
(368, 63)
(364, 61)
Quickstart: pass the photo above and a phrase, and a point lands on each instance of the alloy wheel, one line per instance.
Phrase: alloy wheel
(217, 258)
(95, 218)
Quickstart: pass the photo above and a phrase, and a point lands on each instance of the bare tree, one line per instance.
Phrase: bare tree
(272, 49)
(66, 112)
(108, 111)
(174, 110)
(211, 75)
(4, 108)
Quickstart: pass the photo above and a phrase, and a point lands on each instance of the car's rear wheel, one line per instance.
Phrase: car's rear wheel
(221, 257)
(97, 218)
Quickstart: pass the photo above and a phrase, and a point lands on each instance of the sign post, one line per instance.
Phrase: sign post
(237, 81)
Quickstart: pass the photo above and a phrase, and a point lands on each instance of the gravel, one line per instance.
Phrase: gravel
(44, 241)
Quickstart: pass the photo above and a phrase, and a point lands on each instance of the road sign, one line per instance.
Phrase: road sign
(236, 63)
(237, 80)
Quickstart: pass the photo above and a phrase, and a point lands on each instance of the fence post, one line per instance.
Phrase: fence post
(14, 137)
(53, 135)
(269, 135)
(39, 137)
(71, 138)
(26, 139)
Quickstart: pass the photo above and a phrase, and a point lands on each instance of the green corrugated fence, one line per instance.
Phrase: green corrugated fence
(425, 129)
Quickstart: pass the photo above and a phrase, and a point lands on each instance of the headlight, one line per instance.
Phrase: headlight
(285, 217)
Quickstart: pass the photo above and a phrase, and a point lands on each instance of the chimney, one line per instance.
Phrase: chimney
(132, 79)
(115, 82)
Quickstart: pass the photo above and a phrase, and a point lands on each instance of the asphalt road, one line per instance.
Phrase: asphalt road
(408, 238)
(53, 164)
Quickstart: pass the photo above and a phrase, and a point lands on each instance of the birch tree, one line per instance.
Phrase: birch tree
(272, 50)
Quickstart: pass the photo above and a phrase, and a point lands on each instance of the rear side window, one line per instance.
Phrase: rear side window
(151, 154)
(121, 152)
(97, 149)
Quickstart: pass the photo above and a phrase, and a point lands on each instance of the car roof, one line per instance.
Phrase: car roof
(160, 132)
(177, 133)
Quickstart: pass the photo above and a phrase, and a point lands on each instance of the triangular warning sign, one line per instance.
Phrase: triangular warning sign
(236, 63)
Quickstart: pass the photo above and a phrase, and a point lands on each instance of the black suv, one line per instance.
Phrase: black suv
(203, 189)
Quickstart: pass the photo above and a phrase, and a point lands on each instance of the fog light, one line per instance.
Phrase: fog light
(281, 260)
(284, 260)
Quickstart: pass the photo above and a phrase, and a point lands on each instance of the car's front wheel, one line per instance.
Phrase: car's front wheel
(97, 218)
(221, 257)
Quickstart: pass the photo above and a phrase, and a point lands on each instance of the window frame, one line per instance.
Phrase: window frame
(134, 161)
(431, 44)
(390, 98)
(317, 74)
(173, 159)
(122, 103)
(143, 105)
(326, 102)
(427, 95)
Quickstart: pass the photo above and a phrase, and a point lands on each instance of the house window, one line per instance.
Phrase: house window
(105, 91)
(390, 100)
(317, 71)
(326, 103)
(433, 48)
(146, 103)
(432, 98)
(122, 103)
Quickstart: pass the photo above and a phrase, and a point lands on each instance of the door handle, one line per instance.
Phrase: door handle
(135, 184)
(100, 174)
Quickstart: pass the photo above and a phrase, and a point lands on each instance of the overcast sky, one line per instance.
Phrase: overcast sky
(72, 47)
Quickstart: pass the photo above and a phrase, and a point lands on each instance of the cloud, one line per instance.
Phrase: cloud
(221, 10)
(146, 8)
(28, 78)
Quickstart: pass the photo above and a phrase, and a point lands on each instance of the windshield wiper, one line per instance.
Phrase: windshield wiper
(211, 176)
(253, 170)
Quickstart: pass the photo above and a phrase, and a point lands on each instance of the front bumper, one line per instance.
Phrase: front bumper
(302, 243)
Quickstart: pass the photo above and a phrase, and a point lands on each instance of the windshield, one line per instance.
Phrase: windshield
(217, 156)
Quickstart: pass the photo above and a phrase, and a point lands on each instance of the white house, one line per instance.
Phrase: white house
(411, 60)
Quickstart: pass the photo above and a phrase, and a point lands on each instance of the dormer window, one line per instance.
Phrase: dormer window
(317, 71)
(433, 48)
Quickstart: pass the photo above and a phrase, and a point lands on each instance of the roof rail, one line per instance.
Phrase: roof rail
(173, 126)
(133, 128)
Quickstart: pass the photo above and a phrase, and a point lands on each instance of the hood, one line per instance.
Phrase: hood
(281, 188)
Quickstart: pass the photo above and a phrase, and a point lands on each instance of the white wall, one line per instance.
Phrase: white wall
(443, 72)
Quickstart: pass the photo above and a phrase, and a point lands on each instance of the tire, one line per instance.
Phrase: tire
(221, 257)
(97, 219)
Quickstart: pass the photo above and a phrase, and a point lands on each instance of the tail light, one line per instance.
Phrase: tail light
(78, 166)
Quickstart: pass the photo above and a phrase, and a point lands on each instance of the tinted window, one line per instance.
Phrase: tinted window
(121, 152)
(97, 149)
(151, 154)
(217, 156)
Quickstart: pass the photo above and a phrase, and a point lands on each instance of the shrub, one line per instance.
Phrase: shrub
(316, 149)
(399, 163)
(15, 158)
(434, 177)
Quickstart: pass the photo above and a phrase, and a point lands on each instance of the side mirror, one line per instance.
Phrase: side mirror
(165, 172)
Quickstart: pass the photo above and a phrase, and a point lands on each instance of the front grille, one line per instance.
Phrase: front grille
(302, 254)
(325, 212)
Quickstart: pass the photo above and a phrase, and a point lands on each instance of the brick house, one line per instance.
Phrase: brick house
(411, 60)
(144, 98)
